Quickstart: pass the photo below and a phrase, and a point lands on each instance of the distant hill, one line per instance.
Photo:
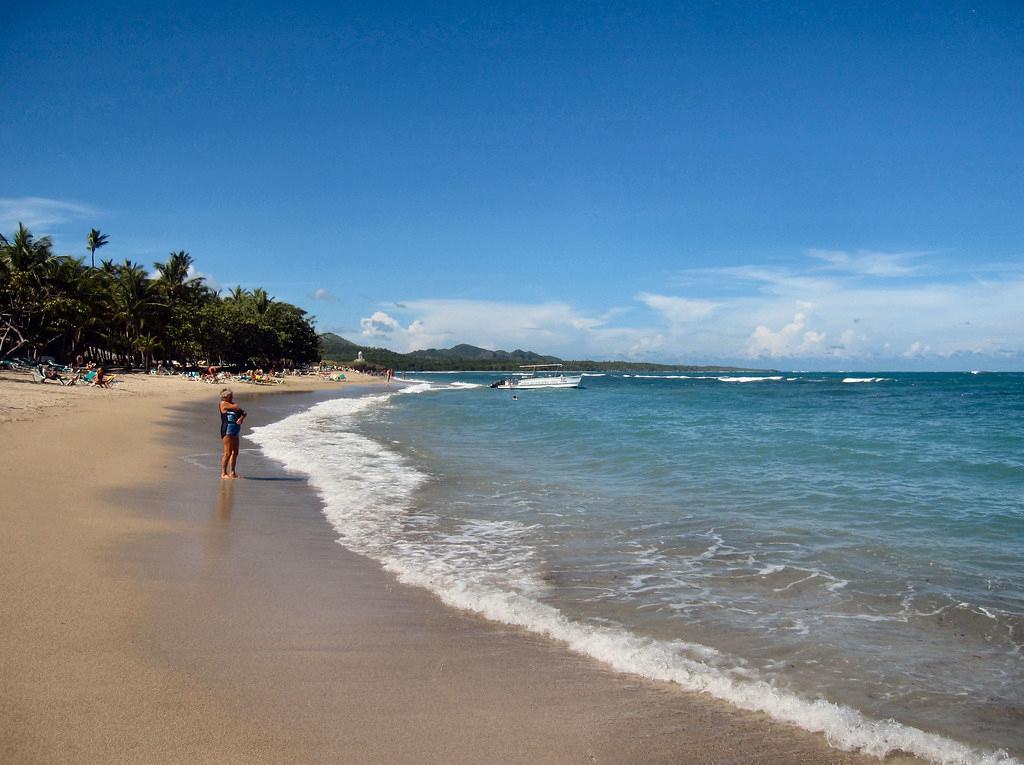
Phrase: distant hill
(471, 352)
(336, 343)
(460, 357)
(470, 357)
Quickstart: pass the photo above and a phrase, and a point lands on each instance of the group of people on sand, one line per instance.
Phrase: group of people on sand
(388, 374)
(331, 371)
(82, 372)
(257, 376)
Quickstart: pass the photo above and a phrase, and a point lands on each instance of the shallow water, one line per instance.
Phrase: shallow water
(837, 550)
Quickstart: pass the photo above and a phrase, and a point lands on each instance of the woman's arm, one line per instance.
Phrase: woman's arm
(226, 406)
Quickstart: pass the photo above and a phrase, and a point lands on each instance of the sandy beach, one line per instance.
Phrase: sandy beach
(154, 613)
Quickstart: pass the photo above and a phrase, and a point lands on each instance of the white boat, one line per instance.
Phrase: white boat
(541, 376)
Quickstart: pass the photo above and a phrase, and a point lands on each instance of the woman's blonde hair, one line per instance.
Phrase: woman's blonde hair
(226, 393)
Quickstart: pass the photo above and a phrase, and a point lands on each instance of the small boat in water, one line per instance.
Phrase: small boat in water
(541, 376)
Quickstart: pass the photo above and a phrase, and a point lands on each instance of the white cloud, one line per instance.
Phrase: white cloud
(551, 327)
(848, 320)
(744, 314)
(379, 325)
(917, 350)
(868, 263)
(776, 281)
(794, 339)
(40, 213)
(322, 294)
(676, 309)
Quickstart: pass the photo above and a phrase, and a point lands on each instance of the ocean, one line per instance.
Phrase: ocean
(843, 552)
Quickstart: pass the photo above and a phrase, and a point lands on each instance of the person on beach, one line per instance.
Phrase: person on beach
(47, 372)
(231, 418)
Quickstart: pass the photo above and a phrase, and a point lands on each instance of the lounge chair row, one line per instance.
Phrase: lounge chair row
(92, 377)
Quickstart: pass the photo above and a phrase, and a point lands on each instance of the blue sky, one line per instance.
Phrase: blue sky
(773, 184)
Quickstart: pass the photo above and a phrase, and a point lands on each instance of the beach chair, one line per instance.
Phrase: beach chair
(43, 374)
(22, 364)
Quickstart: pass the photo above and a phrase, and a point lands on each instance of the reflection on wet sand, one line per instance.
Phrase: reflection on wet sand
(225, 501)
(218, 541)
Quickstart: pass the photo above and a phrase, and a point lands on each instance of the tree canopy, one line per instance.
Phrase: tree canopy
(58, 305)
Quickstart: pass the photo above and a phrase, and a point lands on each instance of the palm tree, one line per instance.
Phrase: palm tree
(25, 252)
(81, 289)
(23, 266)
(261, 301)
(94, 241)
(133, 303)
(174, 277)
(146, 344)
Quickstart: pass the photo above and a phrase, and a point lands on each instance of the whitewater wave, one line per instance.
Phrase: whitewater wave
(669, 377)
(722, 378)
(367, 493)
(866, 379)
(425, 386)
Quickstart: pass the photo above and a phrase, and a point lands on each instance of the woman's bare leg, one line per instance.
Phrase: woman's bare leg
(234, 455)
(226, 457)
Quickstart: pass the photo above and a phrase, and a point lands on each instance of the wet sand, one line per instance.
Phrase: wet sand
(154, 613)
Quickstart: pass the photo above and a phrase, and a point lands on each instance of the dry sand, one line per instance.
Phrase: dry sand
(22, 398)
(153, 613)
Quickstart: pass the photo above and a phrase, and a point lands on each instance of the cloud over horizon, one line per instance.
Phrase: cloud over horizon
(751, 314)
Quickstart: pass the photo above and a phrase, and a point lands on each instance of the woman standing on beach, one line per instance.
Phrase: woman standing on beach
(231, 418)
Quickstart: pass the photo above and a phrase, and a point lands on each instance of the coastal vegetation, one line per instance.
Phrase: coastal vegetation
(122, 313)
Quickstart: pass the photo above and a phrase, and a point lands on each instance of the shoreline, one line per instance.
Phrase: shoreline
(157, 616)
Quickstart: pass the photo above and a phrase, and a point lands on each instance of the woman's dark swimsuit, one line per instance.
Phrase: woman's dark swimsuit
(229, 423)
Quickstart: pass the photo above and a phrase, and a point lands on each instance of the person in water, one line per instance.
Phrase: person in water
(231, 418)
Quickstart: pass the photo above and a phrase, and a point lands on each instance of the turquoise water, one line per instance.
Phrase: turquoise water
(776, 540)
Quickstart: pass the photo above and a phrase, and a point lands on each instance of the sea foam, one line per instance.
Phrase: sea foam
(748, 379)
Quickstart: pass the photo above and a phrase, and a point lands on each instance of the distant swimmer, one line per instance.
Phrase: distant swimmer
(515, 397)
(231, 418)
